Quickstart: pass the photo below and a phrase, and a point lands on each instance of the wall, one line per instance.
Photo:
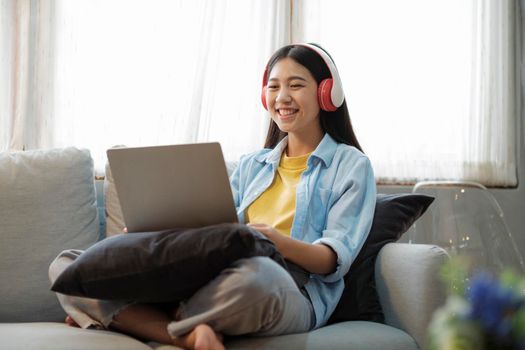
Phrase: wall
(513, 201)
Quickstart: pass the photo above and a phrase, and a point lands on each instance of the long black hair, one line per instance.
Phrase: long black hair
(337, 124)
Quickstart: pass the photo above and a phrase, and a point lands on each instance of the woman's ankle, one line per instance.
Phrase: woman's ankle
(144, 322)
(202, 337)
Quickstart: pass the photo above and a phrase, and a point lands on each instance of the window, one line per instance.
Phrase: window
(431, 85)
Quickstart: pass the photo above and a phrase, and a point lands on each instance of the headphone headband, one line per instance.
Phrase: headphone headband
(337, 93)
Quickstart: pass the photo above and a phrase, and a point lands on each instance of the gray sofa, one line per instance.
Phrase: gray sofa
(49, 202)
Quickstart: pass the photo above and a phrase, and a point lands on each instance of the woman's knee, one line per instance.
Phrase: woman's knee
(61, 262)
(258, 276)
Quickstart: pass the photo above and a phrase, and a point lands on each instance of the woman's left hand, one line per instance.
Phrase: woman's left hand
(316, 258)
(271, 233)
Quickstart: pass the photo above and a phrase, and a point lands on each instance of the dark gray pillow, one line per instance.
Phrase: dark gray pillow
(166, 266)
(394, 214)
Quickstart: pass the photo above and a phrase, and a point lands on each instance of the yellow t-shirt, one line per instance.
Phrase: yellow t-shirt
(276, 206)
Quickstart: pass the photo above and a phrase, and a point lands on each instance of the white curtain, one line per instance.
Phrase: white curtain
(6, 69)
(138, 72)
(489, 149)
(431, 85)
(26, 72)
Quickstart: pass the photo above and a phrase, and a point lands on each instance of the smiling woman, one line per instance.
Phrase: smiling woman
(312, 196)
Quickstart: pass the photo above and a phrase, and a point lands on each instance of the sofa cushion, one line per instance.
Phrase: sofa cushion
(341, 336)
(58, 336)
(47, 205)
(394, 214)
(165, 266)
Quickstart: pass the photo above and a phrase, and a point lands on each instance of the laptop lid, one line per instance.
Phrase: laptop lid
(163, 187)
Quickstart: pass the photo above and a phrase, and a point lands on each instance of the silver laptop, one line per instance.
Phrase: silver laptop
(176, 186)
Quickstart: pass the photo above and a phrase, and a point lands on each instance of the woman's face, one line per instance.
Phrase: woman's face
(291, 95)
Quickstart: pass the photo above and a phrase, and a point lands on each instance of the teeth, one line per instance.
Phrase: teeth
(287, 111)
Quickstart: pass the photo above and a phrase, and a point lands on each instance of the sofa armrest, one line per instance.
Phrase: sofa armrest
(408, 285)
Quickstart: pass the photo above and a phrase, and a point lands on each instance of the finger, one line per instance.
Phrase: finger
(257, 225)
(261, 228)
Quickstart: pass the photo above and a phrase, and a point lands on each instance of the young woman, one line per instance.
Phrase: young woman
(310, 190)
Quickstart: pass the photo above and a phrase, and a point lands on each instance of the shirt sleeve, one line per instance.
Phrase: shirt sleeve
(235, 184)
(350, 216)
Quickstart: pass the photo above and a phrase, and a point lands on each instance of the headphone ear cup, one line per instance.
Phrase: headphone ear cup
(263, 98)
(324, 95)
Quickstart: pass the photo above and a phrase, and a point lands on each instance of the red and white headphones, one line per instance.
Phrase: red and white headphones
(330, 91)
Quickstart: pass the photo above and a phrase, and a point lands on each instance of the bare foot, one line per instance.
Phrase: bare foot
(201, 337)
(71, 322)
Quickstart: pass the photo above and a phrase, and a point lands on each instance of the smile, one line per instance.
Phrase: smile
(287, 113)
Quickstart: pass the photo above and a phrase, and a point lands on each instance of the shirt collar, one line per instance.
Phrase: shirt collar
(325, 151)
(274, 156)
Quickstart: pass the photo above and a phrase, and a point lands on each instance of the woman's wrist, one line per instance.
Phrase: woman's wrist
(315, 258)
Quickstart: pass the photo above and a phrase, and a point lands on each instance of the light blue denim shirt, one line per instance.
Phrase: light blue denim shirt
(335, 205)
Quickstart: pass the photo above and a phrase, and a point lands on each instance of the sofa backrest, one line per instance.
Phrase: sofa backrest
(408, 285)
(47, 204)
